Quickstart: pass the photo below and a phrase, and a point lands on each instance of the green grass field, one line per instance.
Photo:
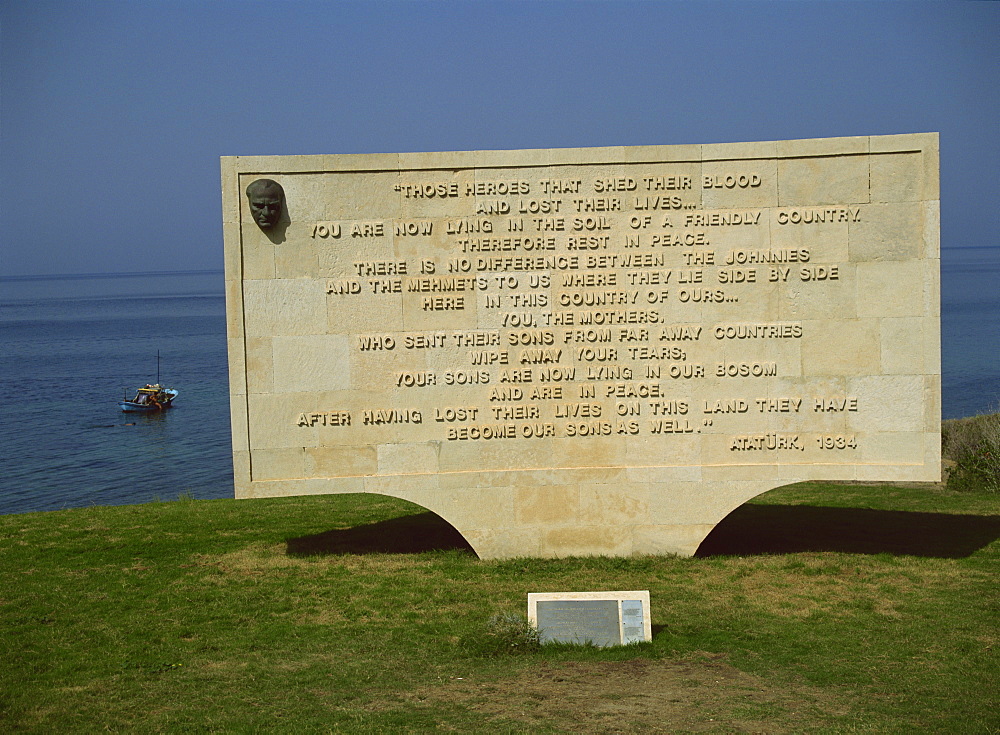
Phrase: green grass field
(817, 607)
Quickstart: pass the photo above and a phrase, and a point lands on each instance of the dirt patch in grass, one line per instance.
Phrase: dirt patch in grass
(701, 693)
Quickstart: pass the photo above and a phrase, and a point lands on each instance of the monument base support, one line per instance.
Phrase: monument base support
(587, 519)
(593, 520)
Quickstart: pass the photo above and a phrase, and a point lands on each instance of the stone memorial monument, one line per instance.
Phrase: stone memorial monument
(584, 351)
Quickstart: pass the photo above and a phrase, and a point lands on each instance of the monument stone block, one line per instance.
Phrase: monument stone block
(584, 351)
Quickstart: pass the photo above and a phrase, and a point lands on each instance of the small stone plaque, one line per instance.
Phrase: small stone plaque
(600, 618)
(579, 621)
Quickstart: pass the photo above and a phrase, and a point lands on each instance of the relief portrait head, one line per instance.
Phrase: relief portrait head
(267, 200)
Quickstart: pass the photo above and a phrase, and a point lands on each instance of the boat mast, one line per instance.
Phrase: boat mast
(157, 367)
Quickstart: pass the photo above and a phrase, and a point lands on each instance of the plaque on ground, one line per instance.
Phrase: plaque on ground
(598, 618)
(584, 351)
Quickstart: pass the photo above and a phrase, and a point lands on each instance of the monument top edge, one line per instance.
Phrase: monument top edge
(679, 153)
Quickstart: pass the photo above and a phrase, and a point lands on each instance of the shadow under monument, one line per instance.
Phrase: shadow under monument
(750, 530)
(786, 529)
(410, 534)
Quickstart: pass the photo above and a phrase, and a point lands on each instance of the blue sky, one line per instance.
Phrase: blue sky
(113, 115)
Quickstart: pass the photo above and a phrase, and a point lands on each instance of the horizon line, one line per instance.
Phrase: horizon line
(70, 276)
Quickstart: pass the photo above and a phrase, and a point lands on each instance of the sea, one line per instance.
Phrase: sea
(70, 346)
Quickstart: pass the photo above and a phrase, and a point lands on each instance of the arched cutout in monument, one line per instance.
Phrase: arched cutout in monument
(403, 532)
(749, 530)
(792, 527)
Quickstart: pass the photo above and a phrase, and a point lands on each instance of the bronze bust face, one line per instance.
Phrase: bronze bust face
(267, 199)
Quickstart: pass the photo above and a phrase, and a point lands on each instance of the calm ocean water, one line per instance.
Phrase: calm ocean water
(71, 346)
(970, 331)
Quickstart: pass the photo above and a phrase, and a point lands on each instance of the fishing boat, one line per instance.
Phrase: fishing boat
(151, 397)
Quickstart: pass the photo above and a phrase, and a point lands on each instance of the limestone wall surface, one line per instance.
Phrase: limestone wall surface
(586, 351)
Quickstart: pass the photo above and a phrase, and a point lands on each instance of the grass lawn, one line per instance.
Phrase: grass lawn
(817, 607)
